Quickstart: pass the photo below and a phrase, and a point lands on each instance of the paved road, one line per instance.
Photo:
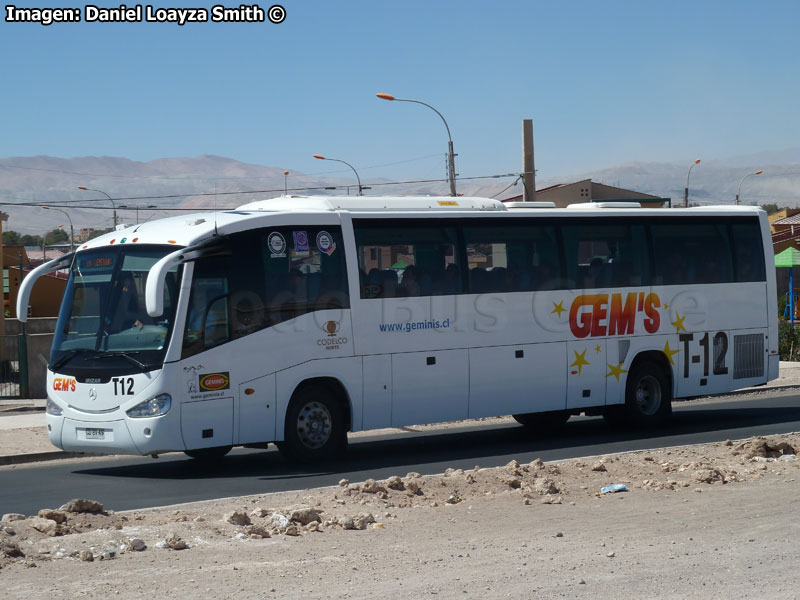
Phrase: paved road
(130, 483)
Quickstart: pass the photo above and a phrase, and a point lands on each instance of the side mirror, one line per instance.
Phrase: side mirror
(26, 287)
(154, 288)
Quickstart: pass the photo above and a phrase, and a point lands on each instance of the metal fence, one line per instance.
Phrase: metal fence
(13, 366)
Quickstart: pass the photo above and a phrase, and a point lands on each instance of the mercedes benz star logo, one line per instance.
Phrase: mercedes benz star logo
(92, 394)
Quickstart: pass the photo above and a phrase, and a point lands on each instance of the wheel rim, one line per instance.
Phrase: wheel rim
(314, 425)
(648, 395)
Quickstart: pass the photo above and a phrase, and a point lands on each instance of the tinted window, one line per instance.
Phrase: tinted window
(690, 253)
(264, 277)
(606, 255)
(399, 260)
(505, 256)
(748, 252)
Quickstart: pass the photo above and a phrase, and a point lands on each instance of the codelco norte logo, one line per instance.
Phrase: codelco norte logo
(598, 315)
(331, 342)
(215, 381)
(64, 384)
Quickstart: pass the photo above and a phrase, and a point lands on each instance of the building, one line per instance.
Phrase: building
(776, 218)
(45, 299)
(785, 229)
(564, 194)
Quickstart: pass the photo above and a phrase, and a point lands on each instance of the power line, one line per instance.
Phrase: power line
(73, 203)
(81, 204)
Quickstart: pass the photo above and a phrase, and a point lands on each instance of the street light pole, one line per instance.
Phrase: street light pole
(686, 189)
(451, 160)
(742, 181)
(85, 189)
(360, 188)
(71, 230)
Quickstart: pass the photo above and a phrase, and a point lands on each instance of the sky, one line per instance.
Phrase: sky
(605, 83)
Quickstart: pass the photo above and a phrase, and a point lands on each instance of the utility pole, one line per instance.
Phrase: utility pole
(528, 170)
(3, 217)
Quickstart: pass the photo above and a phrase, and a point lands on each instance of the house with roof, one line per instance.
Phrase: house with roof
(586, 190)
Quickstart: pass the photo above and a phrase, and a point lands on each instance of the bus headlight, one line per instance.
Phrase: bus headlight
(53, 409)
(155, 407)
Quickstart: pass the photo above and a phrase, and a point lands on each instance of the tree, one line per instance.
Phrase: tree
(30, 240)
(11, 238)
(99, 232)
(771, 208)
(56, 236)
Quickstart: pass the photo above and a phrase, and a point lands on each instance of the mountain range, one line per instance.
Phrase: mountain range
(152, 189)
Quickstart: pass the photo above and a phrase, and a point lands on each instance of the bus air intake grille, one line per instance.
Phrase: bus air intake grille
(748, 356)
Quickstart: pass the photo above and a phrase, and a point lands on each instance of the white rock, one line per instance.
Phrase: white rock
(280, 521)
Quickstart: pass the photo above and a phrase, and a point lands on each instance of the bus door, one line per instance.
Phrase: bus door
(586, 373)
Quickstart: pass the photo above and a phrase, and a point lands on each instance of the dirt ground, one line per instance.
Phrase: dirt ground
(706, 521)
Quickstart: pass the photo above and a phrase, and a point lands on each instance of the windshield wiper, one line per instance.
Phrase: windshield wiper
(127, 356)
(69, 356)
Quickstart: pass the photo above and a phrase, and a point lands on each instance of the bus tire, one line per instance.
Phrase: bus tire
(648, 394)
(208, 454)
(543, 421)
(314, 429)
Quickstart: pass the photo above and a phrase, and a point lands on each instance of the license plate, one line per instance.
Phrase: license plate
(95, 434)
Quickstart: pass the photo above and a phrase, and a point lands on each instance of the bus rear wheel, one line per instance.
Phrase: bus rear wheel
(648, 395)
(314, 429)
(543, 421)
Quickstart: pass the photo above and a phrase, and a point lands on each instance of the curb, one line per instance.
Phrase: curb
(19, 459)
(762, 388)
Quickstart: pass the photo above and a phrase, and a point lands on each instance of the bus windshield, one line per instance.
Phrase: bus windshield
(103, 313)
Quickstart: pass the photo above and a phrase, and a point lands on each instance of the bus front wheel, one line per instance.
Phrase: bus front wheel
(314, 428)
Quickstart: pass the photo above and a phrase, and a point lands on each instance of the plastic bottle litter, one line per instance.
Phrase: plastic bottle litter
(613, 489)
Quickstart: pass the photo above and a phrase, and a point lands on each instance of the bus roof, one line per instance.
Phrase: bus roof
(189, 229)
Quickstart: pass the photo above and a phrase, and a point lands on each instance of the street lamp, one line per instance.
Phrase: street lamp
(80, 187)
(742, 181)
(71, 230)
(451, 161)
(686, 189)
(360, 188)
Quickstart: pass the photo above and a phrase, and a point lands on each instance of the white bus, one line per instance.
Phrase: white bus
(298, 319)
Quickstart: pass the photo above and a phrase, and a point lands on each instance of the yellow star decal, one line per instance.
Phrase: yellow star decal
(598, 349)
(666, 306)
(580, 360)
(558, 308)
(616, 371)
(678, 323)
(669, 352)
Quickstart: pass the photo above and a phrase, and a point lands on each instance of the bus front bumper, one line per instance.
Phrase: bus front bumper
(108, 437)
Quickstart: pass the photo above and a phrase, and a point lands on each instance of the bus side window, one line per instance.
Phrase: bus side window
(748, 252)
(692, 253)
(408, 259)
(304, 271)
(606, 256)
(207, 318)
(513, 256)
